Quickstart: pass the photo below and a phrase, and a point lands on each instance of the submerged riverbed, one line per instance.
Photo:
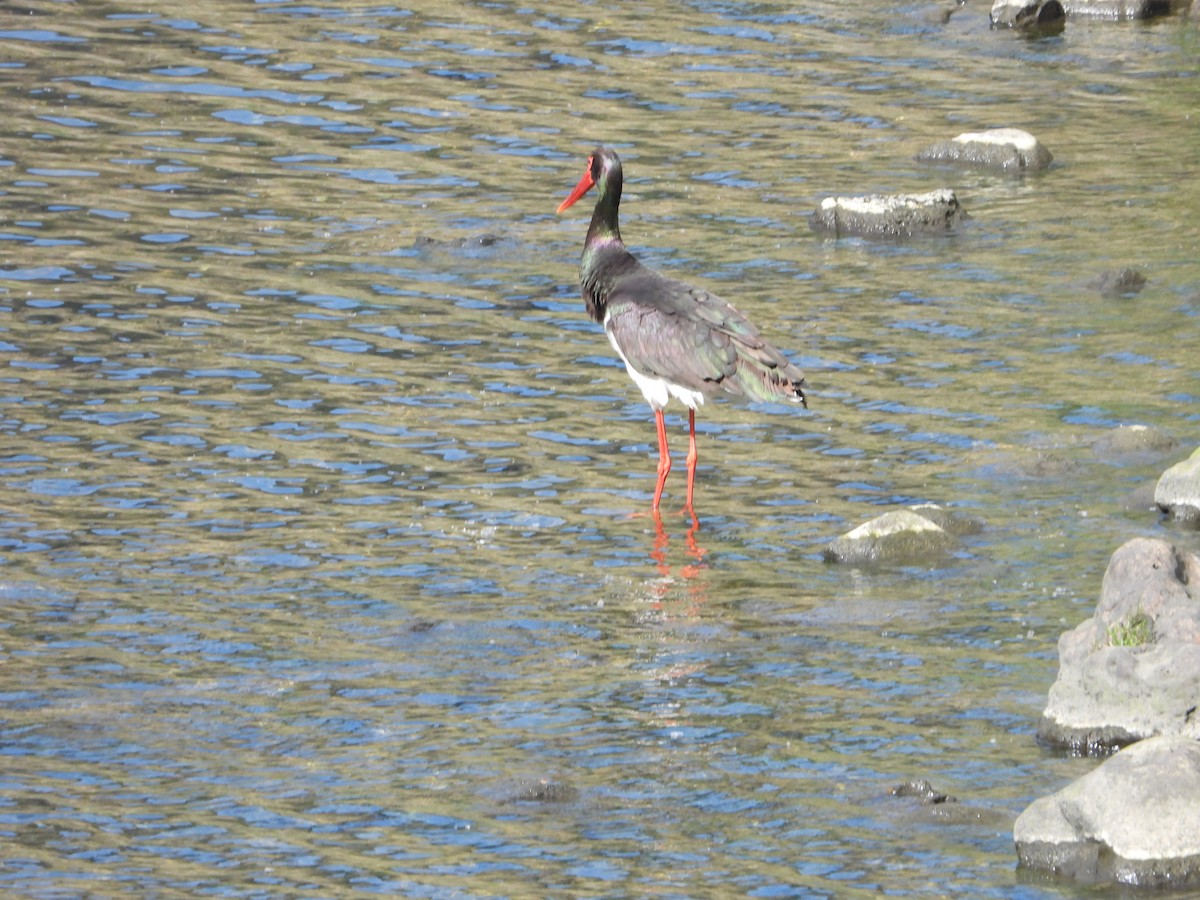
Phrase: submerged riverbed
(321, 574)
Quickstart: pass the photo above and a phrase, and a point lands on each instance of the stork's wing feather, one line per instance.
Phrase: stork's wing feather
(694, 339)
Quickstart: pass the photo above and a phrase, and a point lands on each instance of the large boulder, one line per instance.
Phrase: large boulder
(919, 535)
(1132, 670)
(1178, 491)
(1135, 820)
(888, 215)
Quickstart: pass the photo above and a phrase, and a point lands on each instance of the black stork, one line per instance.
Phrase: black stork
(675, 340)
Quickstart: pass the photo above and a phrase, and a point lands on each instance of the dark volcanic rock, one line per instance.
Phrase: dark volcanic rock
(888, 215)
(1132, 671)
(1133, 820)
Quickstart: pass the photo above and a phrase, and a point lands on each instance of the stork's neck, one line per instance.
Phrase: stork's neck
(605, 261)
(604, 227)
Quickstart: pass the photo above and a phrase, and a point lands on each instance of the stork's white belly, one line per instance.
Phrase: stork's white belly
(655, 389)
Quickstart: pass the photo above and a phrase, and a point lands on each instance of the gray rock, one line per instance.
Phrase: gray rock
(999, 149)
(899, 537)
(1140, 499)
(1027, 13)
(921, 804)
(1134, 440)
(1119, 10)
(951, 522)
(922, 791)
(1024, 462)
(1135, 820)
(539, 790)
(1120, 282)
(486, 239)
(1178, 491)
(888, 215)
(1132, 671)
(940, 15)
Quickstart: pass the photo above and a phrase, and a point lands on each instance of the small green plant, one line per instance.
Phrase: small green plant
(1135, 631)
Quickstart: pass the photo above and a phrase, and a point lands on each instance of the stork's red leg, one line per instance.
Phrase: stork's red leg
(691, 462)
(664, 457)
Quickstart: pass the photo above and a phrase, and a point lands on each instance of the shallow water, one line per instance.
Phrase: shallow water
(320, 574)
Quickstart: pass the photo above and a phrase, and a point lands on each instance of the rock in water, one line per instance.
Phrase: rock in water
(1132, 671)
(950, 521)
(889, 215)
(1178, 491)
(1119, 10)
(1120, 282)
(998, 149)
(1027, 14)
(1133, 820)
(923, 791)
(899, 537)
(1133, 441)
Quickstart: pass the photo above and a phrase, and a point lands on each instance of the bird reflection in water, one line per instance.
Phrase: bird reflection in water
(689, 572)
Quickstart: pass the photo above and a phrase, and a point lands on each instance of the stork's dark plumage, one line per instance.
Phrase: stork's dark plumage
(675, 340)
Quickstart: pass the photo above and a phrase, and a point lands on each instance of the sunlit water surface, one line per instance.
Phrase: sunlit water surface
(321, 575)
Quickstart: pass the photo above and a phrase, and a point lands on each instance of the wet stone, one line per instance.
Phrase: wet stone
(540, 790)
(486, 239)
(1133, 820)
(1028, 462)
(940, 15)
(1049, 464)
(920, 803)
(1133, 441)
(952, 522)
(1008, 150)
(1027, 14)
(899, 537)
(1120, 282)
(1178, 492)
(1132, 670)
(1140, 499)
(921, 790)
(888, 215)
(1121, 10)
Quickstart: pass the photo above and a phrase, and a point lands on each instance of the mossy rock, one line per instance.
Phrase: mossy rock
(900, 537)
